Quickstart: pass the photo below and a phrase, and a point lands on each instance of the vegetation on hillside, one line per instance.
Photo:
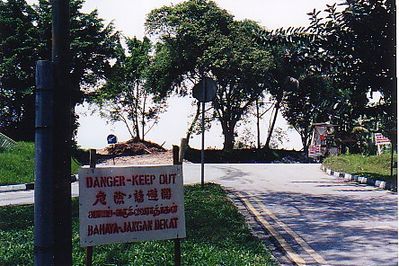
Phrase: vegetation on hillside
(17, 164)
(378, 166)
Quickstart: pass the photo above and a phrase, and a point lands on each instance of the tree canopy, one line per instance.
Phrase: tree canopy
(197, 38)
(123, 97)
(358, 45)
(345, 55)
(25, 37)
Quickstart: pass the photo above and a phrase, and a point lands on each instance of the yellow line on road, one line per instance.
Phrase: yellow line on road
(316, 256)
(283, 243)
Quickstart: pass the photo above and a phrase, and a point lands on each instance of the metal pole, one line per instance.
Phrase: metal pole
(44, 186)
(177, 248)
(62, 133)
(203, 133)
(392, 161)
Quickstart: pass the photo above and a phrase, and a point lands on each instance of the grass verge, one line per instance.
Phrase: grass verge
(378, 167)
(216, 235)
(17, 164)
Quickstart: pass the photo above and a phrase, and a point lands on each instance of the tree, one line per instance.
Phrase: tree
(353, 49)
(358, 43)
(124, 97)
(18, 53)
(26, 37)
(311, 102)
(282, 74)
(259, 110)
(196, 38)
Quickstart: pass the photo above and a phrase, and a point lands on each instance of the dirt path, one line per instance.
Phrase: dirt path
(145, 159)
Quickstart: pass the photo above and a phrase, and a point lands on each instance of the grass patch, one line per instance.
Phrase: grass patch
(17, 164)
(371, 166)
(216, 235)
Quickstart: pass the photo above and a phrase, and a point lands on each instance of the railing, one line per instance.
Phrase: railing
(6, 142)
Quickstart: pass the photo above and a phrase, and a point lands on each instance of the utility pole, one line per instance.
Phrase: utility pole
(53, 221)
(62, 133)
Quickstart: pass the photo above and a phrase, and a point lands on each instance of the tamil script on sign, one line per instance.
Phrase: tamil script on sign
(127, 204)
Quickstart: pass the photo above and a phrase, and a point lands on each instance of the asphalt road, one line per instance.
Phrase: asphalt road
(313, 218)
(305, 216)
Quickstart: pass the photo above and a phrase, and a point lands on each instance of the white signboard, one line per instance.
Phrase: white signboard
(127, 204)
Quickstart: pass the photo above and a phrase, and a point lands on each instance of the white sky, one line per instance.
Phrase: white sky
(129, 16)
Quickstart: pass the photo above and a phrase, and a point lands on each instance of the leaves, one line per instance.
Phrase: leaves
(25, 37)
(125, 97)
(198, 38)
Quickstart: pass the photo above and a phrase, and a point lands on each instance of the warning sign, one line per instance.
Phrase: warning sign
(127, 204)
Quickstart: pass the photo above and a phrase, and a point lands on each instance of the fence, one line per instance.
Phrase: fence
(6, 142)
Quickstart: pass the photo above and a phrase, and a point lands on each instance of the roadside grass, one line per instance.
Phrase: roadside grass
(216, 235)
(17, 164)
(377, 166)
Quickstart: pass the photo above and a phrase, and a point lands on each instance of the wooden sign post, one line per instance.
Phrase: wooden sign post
(89, 249)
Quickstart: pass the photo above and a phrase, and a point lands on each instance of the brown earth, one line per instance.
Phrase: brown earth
(165, 157)
(135, 152)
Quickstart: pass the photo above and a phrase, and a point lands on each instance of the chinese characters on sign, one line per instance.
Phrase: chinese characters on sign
(127, 204)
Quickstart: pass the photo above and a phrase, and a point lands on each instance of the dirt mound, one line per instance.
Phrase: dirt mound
(132, 147)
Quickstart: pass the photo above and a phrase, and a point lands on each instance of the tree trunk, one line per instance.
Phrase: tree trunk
(136, 113)
(305, 145)
(228, 141)
(228, 133)
(269, 137)
(191, 128)
(258, 124)
(143, 118)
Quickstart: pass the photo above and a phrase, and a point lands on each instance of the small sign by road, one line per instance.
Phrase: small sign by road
(112, 139)
(205, 90)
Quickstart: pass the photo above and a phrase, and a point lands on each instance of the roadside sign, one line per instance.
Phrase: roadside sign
(205, 90)
(129, 204)
(381, 139)
(380, 142)
(112, 139)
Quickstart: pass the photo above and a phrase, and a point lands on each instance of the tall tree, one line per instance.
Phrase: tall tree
(198, 38)
(26, 37)
(124, 97)
(358, 43)
(311, 102)
(19, 49)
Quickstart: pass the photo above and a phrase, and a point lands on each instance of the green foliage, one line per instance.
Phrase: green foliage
(311, 102)
(377, 166)
(343, 56)
(17, 164)
(198, 38)
(25, 37)
(358, 44)
(216, 235)
(19, 43)
(124, 97)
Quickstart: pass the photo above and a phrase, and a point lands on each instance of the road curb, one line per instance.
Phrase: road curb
(387, 185)
(28, 186)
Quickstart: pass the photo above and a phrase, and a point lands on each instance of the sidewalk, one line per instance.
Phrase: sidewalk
(27, 186)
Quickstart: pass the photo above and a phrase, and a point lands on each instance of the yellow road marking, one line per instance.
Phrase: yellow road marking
(283, 243)
(316, 256)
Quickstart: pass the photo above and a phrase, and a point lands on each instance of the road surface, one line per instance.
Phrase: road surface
(305, 216)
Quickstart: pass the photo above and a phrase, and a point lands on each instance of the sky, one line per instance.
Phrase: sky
(128, 17)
